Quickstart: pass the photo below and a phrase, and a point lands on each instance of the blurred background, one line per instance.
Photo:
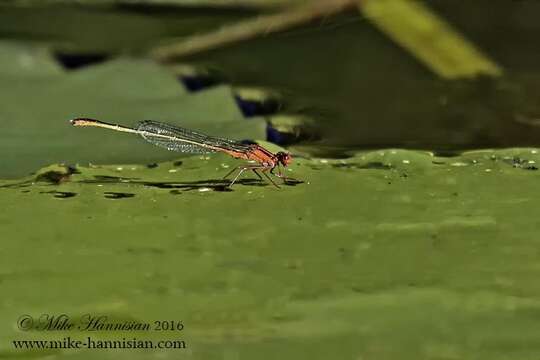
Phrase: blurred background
(412, 232)
(331, 76)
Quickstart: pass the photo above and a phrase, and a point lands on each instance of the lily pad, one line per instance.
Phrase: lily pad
(39, 99)
(345, 263)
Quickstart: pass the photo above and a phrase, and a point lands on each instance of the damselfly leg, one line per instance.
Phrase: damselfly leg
(281, 176)
(243, 166)
(254, 168)
(264, 171)
(230, 172)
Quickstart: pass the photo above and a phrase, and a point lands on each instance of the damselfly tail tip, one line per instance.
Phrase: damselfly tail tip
(81, 121)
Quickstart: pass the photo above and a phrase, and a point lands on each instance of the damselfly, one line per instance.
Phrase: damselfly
(175, 138)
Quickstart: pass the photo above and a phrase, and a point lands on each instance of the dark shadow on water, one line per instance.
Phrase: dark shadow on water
(106, 179)
(292, 182)
(176, 188)
(117, 195)
(216, 185)
(74, 61)
(60, 194)
(221, 185)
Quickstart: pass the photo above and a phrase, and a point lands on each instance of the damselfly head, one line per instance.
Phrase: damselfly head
(284, 158)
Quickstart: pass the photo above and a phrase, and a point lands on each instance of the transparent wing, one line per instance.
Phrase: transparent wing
(176, 138)
(173, 138)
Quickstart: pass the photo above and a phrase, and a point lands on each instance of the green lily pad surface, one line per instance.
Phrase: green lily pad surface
(39, 98)
(387, 254)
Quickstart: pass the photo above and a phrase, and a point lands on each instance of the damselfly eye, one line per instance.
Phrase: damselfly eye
(284, 158)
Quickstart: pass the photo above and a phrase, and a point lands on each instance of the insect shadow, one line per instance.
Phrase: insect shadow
(215, 185)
